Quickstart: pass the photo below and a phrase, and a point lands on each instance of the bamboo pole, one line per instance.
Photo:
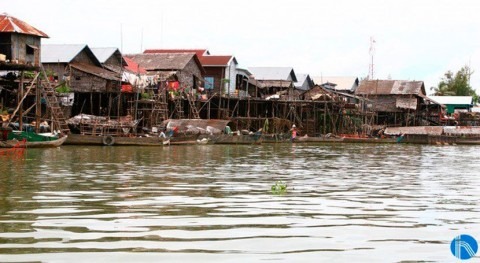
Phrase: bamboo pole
(23, 96)
(38, 108)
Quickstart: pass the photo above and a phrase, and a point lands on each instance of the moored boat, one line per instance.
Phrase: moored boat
(255, 138)
(32, 140)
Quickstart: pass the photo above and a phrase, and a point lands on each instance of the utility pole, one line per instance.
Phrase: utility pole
(372, 53)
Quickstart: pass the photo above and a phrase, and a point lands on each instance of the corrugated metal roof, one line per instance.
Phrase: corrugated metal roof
(133, 67)
(275, 83)
(10, 24)
(60, 53)
(342, 83)
(273, 73)
(94, 70)
(199, 52)
(164, 61)
(459, 100)
(221, 61)
(104, 53)
(390, 87)
(301, 79)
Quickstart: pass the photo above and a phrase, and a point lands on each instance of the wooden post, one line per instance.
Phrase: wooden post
(91, 103)
(325, 117)
(20, 101)
(38, 106)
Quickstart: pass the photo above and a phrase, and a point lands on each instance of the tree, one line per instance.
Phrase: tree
(457, 84)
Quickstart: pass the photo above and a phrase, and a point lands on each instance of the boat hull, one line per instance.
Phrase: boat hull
(79, 139)
(28, 144)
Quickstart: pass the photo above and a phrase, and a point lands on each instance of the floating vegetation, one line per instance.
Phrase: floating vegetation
(279, 188)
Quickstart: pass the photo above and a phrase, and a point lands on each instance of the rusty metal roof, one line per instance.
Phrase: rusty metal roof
(390, 87)
(94, 70)
(275, 83)
(133, 67)
(165, 61)
(10, 24)
(199, 52)
(217, 61)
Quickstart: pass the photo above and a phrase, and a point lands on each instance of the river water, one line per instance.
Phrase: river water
(204, 203)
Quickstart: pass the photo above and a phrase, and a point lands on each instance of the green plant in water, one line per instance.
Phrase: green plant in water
(279, 188)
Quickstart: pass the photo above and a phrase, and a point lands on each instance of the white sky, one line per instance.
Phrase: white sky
(415, 40)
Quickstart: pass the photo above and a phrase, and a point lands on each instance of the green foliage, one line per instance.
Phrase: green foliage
(279, 188)
(457, 84)
(32, 74)
(63, 88)
(145, 96)
(29, 74)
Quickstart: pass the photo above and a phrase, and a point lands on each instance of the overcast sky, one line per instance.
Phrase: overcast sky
(415, 40)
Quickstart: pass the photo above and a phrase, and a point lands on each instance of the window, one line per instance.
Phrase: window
(209, 81)
(31, 49)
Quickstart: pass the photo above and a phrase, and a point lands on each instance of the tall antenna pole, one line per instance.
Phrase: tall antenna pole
(121, 38)
(141, 42)
(372, 52)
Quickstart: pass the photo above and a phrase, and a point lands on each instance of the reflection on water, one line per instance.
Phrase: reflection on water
(348, 202)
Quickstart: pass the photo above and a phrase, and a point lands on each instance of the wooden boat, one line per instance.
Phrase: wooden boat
(79, 139)
(438, 135)
(238, 139)
(369, 140)
(17, 151)
(323, 139)
(33, 144)
(276, 138)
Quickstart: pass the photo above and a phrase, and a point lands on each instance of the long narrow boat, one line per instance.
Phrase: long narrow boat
(238, 139)
(322, 139)
(79, 139)
(45, 142)
(180, 131)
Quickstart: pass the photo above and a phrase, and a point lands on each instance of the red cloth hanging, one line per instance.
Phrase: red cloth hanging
(173, 85)
(127, 88)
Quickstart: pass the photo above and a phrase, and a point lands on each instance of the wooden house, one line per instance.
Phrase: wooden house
(344, 84)
(276, 82)
(79, 68)
(220, 74)
(20, 44)
(185, 66)
(220, 71)
(397, 101)
(304, 82)
(110, 58)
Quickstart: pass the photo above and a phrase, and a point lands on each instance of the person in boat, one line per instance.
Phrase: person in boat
(294, 132)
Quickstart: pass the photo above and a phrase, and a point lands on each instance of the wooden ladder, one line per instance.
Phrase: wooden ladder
(159, 109)
(193, 108)
(58, 117)
(178, 108)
